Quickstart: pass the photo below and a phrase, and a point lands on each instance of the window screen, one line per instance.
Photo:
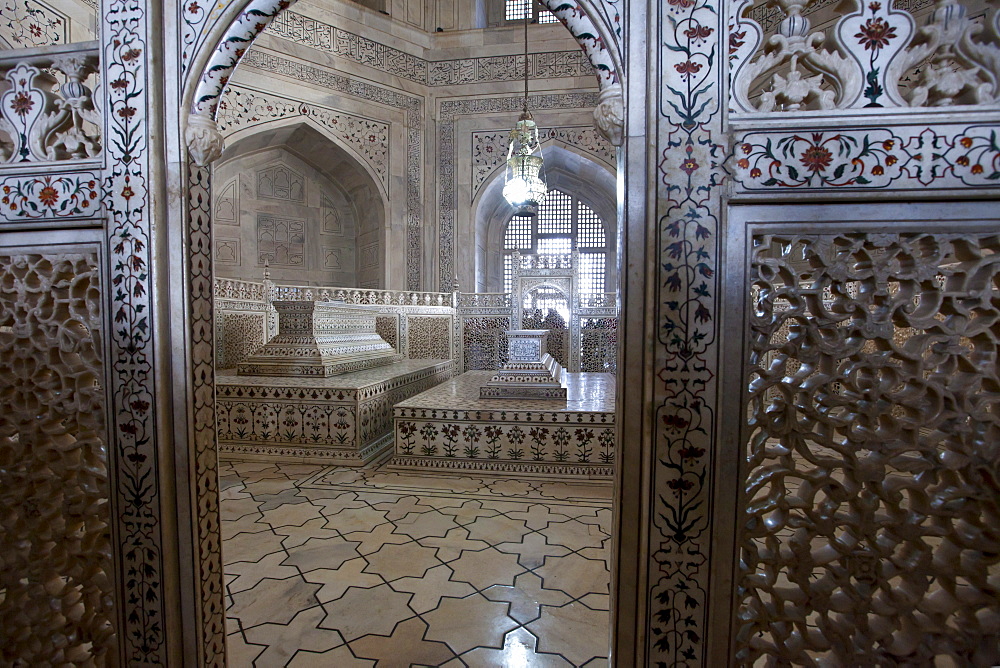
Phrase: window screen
(518, 10)
(562, 224)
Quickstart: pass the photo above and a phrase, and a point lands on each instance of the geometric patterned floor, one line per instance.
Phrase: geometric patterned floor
(333, 566)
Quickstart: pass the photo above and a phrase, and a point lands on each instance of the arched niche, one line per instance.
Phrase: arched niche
(592, 182)
(291, 194)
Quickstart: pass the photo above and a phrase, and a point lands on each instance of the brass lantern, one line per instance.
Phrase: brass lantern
(524, 187)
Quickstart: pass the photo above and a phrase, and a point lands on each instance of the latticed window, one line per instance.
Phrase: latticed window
(563, 224)
(517, 10)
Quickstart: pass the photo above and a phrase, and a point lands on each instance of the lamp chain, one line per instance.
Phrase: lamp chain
(527, 18)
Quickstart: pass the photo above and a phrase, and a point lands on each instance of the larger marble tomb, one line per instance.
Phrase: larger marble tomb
(320, 339)
(321, 391)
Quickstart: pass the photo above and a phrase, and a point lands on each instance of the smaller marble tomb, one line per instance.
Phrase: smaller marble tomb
(530, 372)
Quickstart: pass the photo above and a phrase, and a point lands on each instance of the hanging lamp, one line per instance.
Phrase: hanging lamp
(524, 187)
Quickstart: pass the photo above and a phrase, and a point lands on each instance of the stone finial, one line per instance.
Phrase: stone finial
(609, 115)
(203, 138)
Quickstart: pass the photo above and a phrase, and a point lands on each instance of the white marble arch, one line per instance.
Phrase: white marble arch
(566, 169)
(212, 61)
(271, 133)
(353, 176)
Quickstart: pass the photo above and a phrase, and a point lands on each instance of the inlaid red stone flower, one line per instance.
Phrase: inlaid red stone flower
(687, 68)
(878, 170)
(963, 160)
(22, 104)
(875, 34)
(689, 166)
(755, 173)
(48, 196)
(966, 141)
(743, 163)
(698, 33)
(680, 484)
(977, 169)
(816, 158)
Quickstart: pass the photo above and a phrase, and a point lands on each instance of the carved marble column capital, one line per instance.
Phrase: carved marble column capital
(609, 115)
(203, 139)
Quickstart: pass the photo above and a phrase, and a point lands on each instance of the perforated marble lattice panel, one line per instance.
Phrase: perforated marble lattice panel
(599, 345)
(871, 534)
(241, 334)
(557, 342)
(56, 574)
(485, 342)
(430, 337)
(387, 327)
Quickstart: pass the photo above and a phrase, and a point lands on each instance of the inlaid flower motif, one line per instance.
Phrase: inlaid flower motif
(689, 166)
(755, 173)
(48, 196)
(735, 40)
(743, 163)
(687, 68)
(674, 422)
(816, 158)
(963, 160)
(698, 33)
(682, 484)
(691, 452)
(977, 169)
(875, 34)
(22, 104)
(878, 170)
(966, 142)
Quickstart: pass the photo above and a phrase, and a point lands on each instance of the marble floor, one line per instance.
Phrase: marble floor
(331, 566)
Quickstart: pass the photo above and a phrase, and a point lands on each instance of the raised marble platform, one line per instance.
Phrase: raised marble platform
(450, 427)
(344, 420)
